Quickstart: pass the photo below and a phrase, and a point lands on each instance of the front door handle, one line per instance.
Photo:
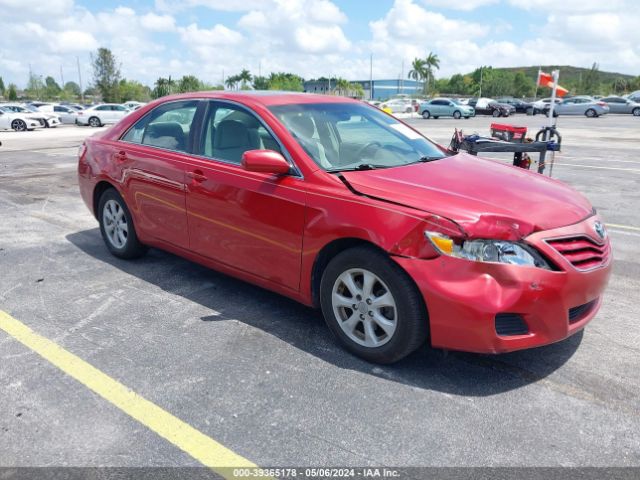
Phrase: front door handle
(197, 176)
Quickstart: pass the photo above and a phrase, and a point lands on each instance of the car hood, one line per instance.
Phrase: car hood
(487, 198)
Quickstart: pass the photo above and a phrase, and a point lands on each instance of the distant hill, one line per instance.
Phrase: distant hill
(568, 74)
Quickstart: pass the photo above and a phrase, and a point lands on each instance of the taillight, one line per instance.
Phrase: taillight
(602, 104)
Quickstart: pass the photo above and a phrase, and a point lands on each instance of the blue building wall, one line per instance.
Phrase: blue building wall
(382, 89)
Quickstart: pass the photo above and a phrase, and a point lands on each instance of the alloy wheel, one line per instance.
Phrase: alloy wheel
(115, 224)
(19, 125)
(364, 307)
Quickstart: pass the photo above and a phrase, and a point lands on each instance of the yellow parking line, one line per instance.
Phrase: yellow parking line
(624, 227)
(182, 435)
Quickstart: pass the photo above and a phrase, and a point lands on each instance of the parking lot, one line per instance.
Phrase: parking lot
(262, 375)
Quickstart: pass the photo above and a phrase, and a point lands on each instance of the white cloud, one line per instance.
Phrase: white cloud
(219, 35)
(465, 5)
(125, 11)
(74, 41)
(158, 23)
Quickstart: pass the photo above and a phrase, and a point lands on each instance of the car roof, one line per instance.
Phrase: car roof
(264, 97)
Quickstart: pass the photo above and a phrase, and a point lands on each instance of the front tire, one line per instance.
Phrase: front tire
(116, 226)
(19, 125)
(372, 306)
(495, 113)
(636, 112)
(457, 115)
(95, 122)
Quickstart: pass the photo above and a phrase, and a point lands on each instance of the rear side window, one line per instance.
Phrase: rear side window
(167, 126)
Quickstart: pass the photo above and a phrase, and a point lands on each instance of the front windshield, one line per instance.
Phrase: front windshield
(346, 136)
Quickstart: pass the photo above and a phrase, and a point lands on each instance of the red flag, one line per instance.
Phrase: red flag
(546, 80)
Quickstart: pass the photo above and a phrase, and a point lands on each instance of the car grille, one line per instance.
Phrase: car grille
(578, 313)
(581, 251)
(508, 324)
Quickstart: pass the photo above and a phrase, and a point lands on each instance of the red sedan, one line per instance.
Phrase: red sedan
(338, 205)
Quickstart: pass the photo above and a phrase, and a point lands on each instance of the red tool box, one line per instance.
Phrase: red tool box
(508, 133)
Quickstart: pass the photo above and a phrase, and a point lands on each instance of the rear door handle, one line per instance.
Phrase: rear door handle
(121, 156)
(197, 176)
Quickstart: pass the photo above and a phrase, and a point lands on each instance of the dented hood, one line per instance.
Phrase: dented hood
(487, 198)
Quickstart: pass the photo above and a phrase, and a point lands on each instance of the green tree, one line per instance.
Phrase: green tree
(619, 85)
(133, 90)
(12, 92)
(163, 87)
(432, 62)
(189, 83)
(523, 86)
(72, 88)
(232, 81)
(591, 81)
(106, 74)
(2, 89)
(418, 71)
(286, 82)
(35, 87)
(244, 77)
(51, 90)
(260, 83)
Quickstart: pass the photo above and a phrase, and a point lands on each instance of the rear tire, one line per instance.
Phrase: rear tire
(426, 115)
(591, 113)
(95, 122)
(457, 115)
(389, 320)
(116, 226)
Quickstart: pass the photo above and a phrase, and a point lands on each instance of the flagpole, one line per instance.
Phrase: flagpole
(535, 95)
(555, 75)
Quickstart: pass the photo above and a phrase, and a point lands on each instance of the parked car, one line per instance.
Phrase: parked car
(45, 119)
(132, 105)
(520, 105)
(622, 105)
(488, 106)
(445, 107)
(376, 225)
(544, 104)
(634, 96)
(103, 114)
(581, 105)
(399, 105)
(10, 120)
(66, 114)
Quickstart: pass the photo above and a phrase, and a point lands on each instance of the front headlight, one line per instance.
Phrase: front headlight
(494, 251)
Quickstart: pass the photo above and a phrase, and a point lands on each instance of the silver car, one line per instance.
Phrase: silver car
(622, 105)
(581, 105)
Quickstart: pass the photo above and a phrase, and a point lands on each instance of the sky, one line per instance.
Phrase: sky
(212, 38)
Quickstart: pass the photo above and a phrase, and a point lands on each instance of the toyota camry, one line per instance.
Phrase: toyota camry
(341, 206)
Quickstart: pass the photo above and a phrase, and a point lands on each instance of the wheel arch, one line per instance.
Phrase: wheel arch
(101, 187)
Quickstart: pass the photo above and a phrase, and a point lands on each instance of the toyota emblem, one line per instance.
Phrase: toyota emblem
(600, 230)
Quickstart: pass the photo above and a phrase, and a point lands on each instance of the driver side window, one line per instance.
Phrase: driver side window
(231, 130)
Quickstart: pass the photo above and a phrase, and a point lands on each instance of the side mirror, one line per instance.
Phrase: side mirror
(265, 161)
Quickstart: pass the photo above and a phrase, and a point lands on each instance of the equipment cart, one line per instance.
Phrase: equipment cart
(507, 138)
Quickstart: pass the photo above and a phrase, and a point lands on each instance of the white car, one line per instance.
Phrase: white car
(104, 114)
(46, 120)
(399, 105)
(10, 120)
(133, 105)
(67, 115)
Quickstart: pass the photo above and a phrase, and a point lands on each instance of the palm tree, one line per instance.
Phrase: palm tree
(244, 77)
(418, 70)
(231, 82)
(432, 61)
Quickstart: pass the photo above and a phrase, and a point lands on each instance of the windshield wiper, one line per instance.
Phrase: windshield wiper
(362, 166)
(426, 158)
